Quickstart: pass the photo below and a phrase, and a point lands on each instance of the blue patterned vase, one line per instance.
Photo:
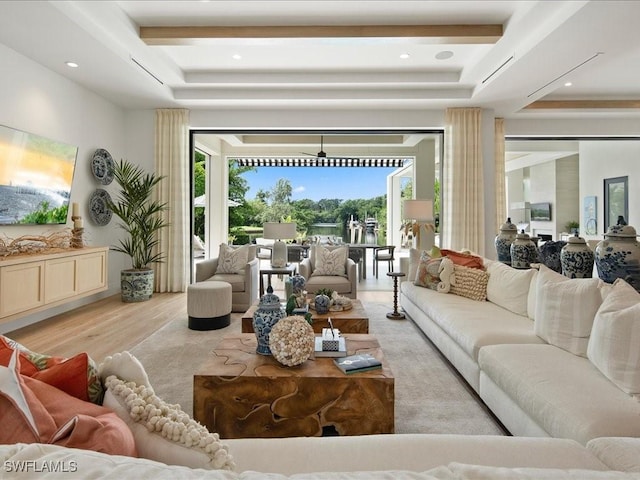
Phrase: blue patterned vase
(577, 258)
(549, 254)
(269, 313)
(503, 241)
(523, 251)
(618, 256)
(298, 282)
(322, 303)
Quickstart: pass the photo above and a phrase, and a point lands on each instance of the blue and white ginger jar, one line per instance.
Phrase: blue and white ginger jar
(618, 256)
(322, 303)
(503, 241)
(577, 258)
(298, 282)
(269, 313)
(523, 251)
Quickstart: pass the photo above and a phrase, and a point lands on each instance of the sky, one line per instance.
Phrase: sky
(316, 183)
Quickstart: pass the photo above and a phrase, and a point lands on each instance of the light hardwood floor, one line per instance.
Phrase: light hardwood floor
(109, 325)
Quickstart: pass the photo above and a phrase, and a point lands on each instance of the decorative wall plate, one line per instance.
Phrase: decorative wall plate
(102, 166)
(99, 212)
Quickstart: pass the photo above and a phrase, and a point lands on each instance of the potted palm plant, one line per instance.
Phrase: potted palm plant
(141, 219)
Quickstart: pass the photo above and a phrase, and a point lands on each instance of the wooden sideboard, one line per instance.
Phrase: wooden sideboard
(31, 283)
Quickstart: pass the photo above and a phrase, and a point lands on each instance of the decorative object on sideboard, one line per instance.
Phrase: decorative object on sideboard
(34, 244)
(141, 218)
(618, 255)
(292, 341)
(99, 210)
(504, 239)
(523, 251)
(102, 166)
(266, 316)
(577, 258)
(78, 227)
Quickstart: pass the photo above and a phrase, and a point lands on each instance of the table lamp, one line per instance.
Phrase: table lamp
(279, 231)
(419, 213)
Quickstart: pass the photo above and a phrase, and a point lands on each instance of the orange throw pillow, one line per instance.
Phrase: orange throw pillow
(75, 376)
(32, 411)
(463, 259)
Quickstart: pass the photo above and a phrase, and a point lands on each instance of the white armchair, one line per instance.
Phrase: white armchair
(244, 283)
(346, 284)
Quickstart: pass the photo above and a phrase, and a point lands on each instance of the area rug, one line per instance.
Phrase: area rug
(429, 396)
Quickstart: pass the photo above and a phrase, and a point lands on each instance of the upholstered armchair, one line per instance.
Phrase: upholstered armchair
(237, 266)
(330, 267)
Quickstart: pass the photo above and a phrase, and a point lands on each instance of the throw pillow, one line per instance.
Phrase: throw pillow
(164, 432)
(77, 376)
(565, 309)
(331, 262)
(32, 411)
(463, 258)
(509, 287)
(434, 273)
(469, 282)
(232, 260)
(615, 338)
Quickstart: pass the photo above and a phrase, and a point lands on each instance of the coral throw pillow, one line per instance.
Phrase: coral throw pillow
(77, 376)
(463, 259)
(32, 411)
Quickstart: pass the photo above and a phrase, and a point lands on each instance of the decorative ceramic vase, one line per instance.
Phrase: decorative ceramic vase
(322, 303)
(298, 282)
(618, 255)
(504, 239)
(136, 285)
(549, 254)
(577, 258)
(523, 251)
(269, 313)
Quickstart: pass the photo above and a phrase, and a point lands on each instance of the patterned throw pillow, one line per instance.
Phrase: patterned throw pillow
(469, 282)
(77, 376)
(232, 260)
(331, 262)
(463, 258)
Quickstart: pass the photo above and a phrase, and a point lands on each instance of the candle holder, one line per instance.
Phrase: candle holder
(76, 233)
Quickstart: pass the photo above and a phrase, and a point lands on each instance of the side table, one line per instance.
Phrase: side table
(286, 270)
(395, 315)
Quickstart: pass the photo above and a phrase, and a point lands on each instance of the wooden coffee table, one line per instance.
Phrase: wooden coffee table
(355, 320)
(240, 394)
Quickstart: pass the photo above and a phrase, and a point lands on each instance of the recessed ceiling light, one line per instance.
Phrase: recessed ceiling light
(71, 64)
(568, 84)
(404, 56)
(444, 55)
(236, 56)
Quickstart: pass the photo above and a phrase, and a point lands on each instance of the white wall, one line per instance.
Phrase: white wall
(609, 159)
(39, 101)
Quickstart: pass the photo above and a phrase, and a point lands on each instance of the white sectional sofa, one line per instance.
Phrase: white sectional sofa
(506, 348)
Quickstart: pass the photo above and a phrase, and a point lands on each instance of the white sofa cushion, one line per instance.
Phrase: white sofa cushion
(509, 287)
(565, 309)
(617, 453)
(471, 324)
(563, 393)
(614, 345)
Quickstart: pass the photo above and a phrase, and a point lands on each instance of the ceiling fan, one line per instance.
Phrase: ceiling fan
(323, 154)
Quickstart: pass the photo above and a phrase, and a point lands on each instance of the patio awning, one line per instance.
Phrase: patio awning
(393, 162)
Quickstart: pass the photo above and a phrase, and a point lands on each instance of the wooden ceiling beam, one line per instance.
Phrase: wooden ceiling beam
(444, 34)
(581, 104)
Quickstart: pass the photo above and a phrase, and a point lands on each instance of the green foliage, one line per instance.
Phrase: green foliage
(140, 215)
(324, 291)
(44, 214)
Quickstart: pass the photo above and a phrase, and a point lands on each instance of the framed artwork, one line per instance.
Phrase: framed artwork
(616, 200)
(590, 215)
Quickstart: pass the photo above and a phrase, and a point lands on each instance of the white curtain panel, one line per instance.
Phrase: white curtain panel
(463, 181)
(501, 193)
(172, 162)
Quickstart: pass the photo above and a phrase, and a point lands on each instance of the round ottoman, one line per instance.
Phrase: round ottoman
(209, 305)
